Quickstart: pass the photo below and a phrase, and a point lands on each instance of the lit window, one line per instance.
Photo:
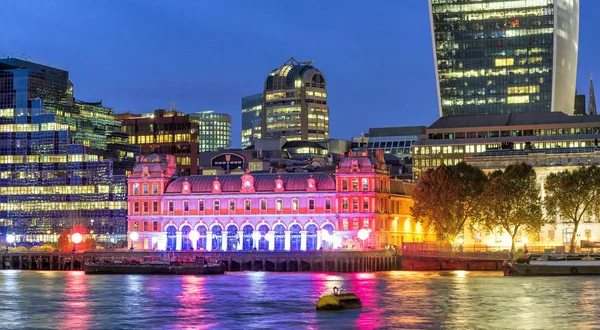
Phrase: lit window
(279, 205)
(155, 188)
(365, 184)
(263, 204)
(355, 185)
(518, 99)
(345, 204)
(136, 188)
(232, 205)
(145, 189)
(504, 62)
(248, 205)
(295, 204)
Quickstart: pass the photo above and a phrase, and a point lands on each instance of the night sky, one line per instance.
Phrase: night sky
(141, 55)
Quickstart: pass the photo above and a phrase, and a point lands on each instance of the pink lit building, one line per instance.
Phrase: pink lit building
(266, 211)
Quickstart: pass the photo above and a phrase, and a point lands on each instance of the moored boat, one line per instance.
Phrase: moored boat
(582, 266)
(150, 265)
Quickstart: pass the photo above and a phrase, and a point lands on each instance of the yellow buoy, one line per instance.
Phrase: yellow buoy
(338, 300)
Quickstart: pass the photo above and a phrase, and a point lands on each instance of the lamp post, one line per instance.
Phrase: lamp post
(194, 236)
(256, 238)
(363, 234)
(76, 239)
(10, 239)
(133, 236)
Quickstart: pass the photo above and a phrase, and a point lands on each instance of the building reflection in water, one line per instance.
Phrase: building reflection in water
(10, 291)
(75, 311)
(193, 299)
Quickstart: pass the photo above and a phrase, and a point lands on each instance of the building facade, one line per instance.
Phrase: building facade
(58, 158)
(251, 118)
(500, 56)
(295, 103)
(266, 211)
(165, 132)
(214, 130)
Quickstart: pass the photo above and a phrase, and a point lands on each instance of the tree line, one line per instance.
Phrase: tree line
(448, 198)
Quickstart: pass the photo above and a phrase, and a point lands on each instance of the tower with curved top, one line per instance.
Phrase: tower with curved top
(295, 103)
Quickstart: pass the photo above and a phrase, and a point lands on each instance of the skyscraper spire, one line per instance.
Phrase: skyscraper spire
(592, 99)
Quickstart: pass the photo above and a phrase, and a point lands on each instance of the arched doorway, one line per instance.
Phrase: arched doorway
(248, 241)
(263, 243)
(171, 237)
(201, 244)
(232, 238)
(295, 237)
(311, 237)
(328, 245)
(279, 237)
(186, 243)
(217, 238)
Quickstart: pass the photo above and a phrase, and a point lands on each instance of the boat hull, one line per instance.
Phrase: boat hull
(154, 269)
(552, 268)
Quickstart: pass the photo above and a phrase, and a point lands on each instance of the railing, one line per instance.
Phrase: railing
(479, 251)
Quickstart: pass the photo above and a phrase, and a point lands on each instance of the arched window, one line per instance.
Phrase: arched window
(171, 237)
(201, 244)
(186, 243)
(279, 237)
(263, 244)
(329, 244)
(248, 241)
(232, 238)
(311, 237)
(217, 238)
(295, 237)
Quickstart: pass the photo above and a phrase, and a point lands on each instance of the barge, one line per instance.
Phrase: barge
(150, 265)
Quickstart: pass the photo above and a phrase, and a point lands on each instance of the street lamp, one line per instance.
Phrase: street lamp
(76, 239)
(194, 236)
(133, 236)
(363, 234)
(256, 238)
(10, 238)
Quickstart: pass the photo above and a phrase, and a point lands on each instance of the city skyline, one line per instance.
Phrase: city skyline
(367, 60)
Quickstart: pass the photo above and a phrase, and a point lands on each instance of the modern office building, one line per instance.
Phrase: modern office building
(500, 56)
(452, 139)
(295, 103)
(165, 132)
(57, 158)
(251, 115)
(214, 130)
(392, 140)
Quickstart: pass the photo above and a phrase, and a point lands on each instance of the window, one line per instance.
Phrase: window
(344, 185)
(355, 204)
(279, 205)
(186, 206)
(366, 205)
(248, 205)
(136, 207)
(216, 206)
(345, 223)
(170, 206)
(136, 226)
(311, 204)
(295, 204)
(155, 188)
(155, 207)
(263, 204)
(366, 223)
(145, 189)
(200, 206)
(136, 188)
(232, 206)
(328, 204)
(345, 204)
(155, 226)
(145, 207)
(145, 226)
(365, 184)
(355, 185)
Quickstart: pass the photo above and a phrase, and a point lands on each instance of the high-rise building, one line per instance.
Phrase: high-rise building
(214, 130)
(251, 114)
(592, 99)
(165, 132)
(295, 103)
(500, 56)
(57, 158)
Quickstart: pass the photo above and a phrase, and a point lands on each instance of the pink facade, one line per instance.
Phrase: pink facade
(263, 211)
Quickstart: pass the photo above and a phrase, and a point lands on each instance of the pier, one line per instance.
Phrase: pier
(288, 261)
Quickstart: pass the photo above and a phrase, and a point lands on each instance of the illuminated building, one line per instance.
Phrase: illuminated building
(452, 139)
(214, 130)
(251, 114)
(400, 227)
(295, 103)
(501, 56)
(165, 132)
(266, 211)
(58, 157)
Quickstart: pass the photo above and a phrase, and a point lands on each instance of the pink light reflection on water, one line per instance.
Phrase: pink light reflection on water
(75, 310)
(192, 299)
(364, 286)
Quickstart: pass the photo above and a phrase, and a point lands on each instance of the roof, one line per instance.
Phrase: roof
(302, 144)
(557, 138)
(396, 131)
(513, 119)
(284, 77)
(264, 182)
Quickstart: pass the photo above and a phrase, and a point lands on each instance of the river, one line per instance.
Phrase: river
(258, 300)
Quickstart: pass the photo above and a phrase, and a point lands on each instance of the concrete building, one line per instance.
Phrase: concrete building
(500, 56)
(214, 130)
(295, 103)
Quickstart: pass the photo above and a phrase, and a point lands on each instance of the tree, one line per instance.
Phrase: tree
(446, 197)
(63, 243)
(511, 201)
(572, 195)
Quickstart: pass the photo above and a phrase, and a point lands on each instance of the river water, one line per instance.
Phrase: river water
(257, 300)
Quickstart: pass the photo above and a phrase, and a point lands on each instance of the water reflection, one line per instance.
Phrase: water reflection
(74, 309)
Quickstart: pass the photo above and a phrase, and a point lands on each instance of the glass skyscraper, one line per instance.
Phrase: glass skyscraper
(251, 123)
(58, 157)
(214, 130)
(500, 56)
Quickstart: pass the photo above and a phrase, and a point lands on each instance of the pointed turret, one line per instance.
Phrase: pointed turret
(592, 99)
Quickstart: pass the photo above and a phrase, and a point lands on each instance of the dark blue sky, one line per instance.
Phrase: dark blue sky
(141, 55)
